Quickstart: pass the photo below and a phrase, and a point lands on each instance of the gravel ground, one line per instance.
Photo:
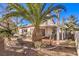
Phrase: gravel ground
(58, 51)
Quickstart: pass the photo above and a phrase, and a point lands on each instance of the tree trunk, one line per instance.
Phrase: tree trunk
(37, 37)
(1, 44)
(58, 36)
(58, 29)
(62, 34)
(9, 38)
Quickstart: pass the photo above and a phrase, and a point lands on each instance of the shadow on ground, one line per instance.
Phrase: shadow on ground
(58, 51)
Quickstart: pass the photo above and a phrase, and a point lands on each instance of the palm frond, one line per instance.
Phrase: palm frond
(35, 13)
(12, 14)
(43, 6)
(20, 8)
(49, 18)
(46, 12)
(58, 8)
(16, 14)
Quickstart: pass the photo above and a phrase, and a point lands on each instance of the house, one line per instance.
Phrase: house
(47, 28)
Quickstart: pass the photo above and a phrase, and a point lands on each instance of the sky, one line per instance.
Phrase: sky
(72, 9)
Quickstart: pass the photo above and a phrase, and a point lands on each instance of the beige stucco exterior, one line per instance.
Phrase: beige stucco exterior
(47, 26)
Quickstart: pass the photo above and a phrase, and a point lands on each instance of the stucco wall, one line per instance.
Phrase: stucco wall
(48, 31)
(29, 31)
(77, 41)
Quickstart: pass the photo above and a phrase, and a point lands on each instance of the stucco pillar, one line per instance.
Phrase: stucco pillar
(58, 36)
(77, 41)
(62, 34)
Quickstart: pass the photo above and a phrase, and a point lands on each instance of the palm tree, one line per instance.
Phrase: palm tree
(72, 25)
(72, 22)
(58, 11)
(7, 28)
(62, 28)
(35, 13)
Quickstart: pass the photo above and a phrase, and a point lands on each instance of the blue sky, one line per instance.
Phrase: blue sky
(72, 9)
